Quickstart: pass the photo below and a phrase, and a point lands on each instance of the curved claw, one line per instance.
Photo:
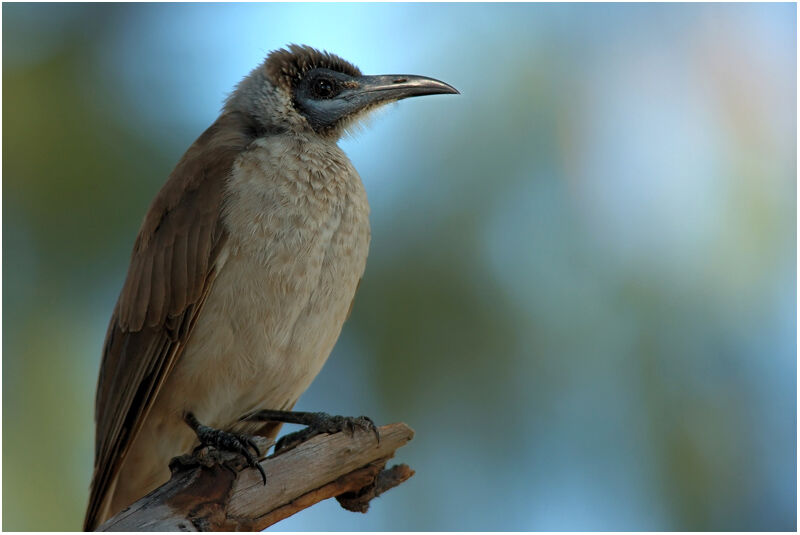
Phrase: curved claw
(250, 442)
(372, 427)
(351, 426)
(260, 469)
(241, 443)
(227, 441)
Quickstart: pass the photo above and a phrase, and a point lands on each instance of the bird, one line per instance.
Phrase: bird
(241, 277)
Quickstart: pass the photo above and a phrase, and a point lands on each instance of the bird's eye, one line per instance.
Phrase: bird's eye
(323, 88)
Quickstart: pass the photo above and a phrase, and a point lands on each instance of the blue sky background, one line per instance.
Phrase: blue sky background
(581, 291)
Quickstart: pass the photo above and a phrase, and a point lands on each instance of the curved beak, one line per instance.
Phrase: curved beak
(361, 93)
(368, 90)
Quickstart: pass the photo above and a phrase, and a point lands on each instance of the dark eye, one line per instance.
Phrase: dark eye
(323, 88)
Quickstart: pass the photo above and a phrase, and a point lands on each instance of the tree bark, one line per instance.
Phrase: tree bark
(213, 496)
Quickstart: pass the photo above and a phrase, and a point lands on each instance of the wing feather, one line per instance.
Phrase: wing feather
(158, 285)
(194, 267)
(179, 277)
(171, 273)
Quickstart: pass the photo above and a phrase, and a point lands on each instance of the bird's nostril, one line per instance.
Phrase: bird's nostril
(399, 80)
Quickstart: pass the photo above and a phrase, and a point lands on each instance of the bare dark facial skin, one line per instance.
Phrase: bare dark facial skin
(327, 97)
(329, 91)
(316, 97)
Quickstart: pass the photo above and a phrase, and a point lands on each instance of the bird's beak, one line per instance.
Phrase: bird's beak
(361, 93)
(368, 90)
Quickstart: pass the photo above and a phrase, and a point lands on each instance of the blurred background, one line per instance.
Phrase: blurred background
(581, 291)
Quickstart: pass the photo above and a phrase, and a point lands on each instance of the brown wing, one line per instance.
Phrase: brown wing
(171, 272)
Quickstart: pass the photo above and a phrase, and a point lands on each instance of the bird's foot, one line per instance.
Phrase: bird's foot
(316, 422)
(224, 442)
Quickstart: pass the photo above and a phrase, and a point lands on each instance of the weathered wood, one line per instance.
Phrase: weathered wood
(215, 498)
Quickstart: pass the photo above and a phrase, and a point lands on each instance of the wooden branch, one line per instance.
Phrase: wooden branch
(214, 497)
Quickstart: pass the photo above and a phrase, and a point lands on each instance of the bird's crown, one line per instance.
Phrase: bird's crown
(287, 66)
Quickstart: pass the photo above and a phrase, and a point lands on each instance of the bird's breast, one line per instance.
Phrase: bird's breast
(298, 235)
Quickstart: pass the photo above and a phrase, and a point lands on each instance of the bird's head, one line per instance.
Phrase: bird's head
(307, 90)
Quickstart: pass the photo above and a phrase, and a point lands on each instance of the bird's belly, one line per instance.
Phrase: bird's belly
(261, 338)
(267, 329)
(263, 345)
